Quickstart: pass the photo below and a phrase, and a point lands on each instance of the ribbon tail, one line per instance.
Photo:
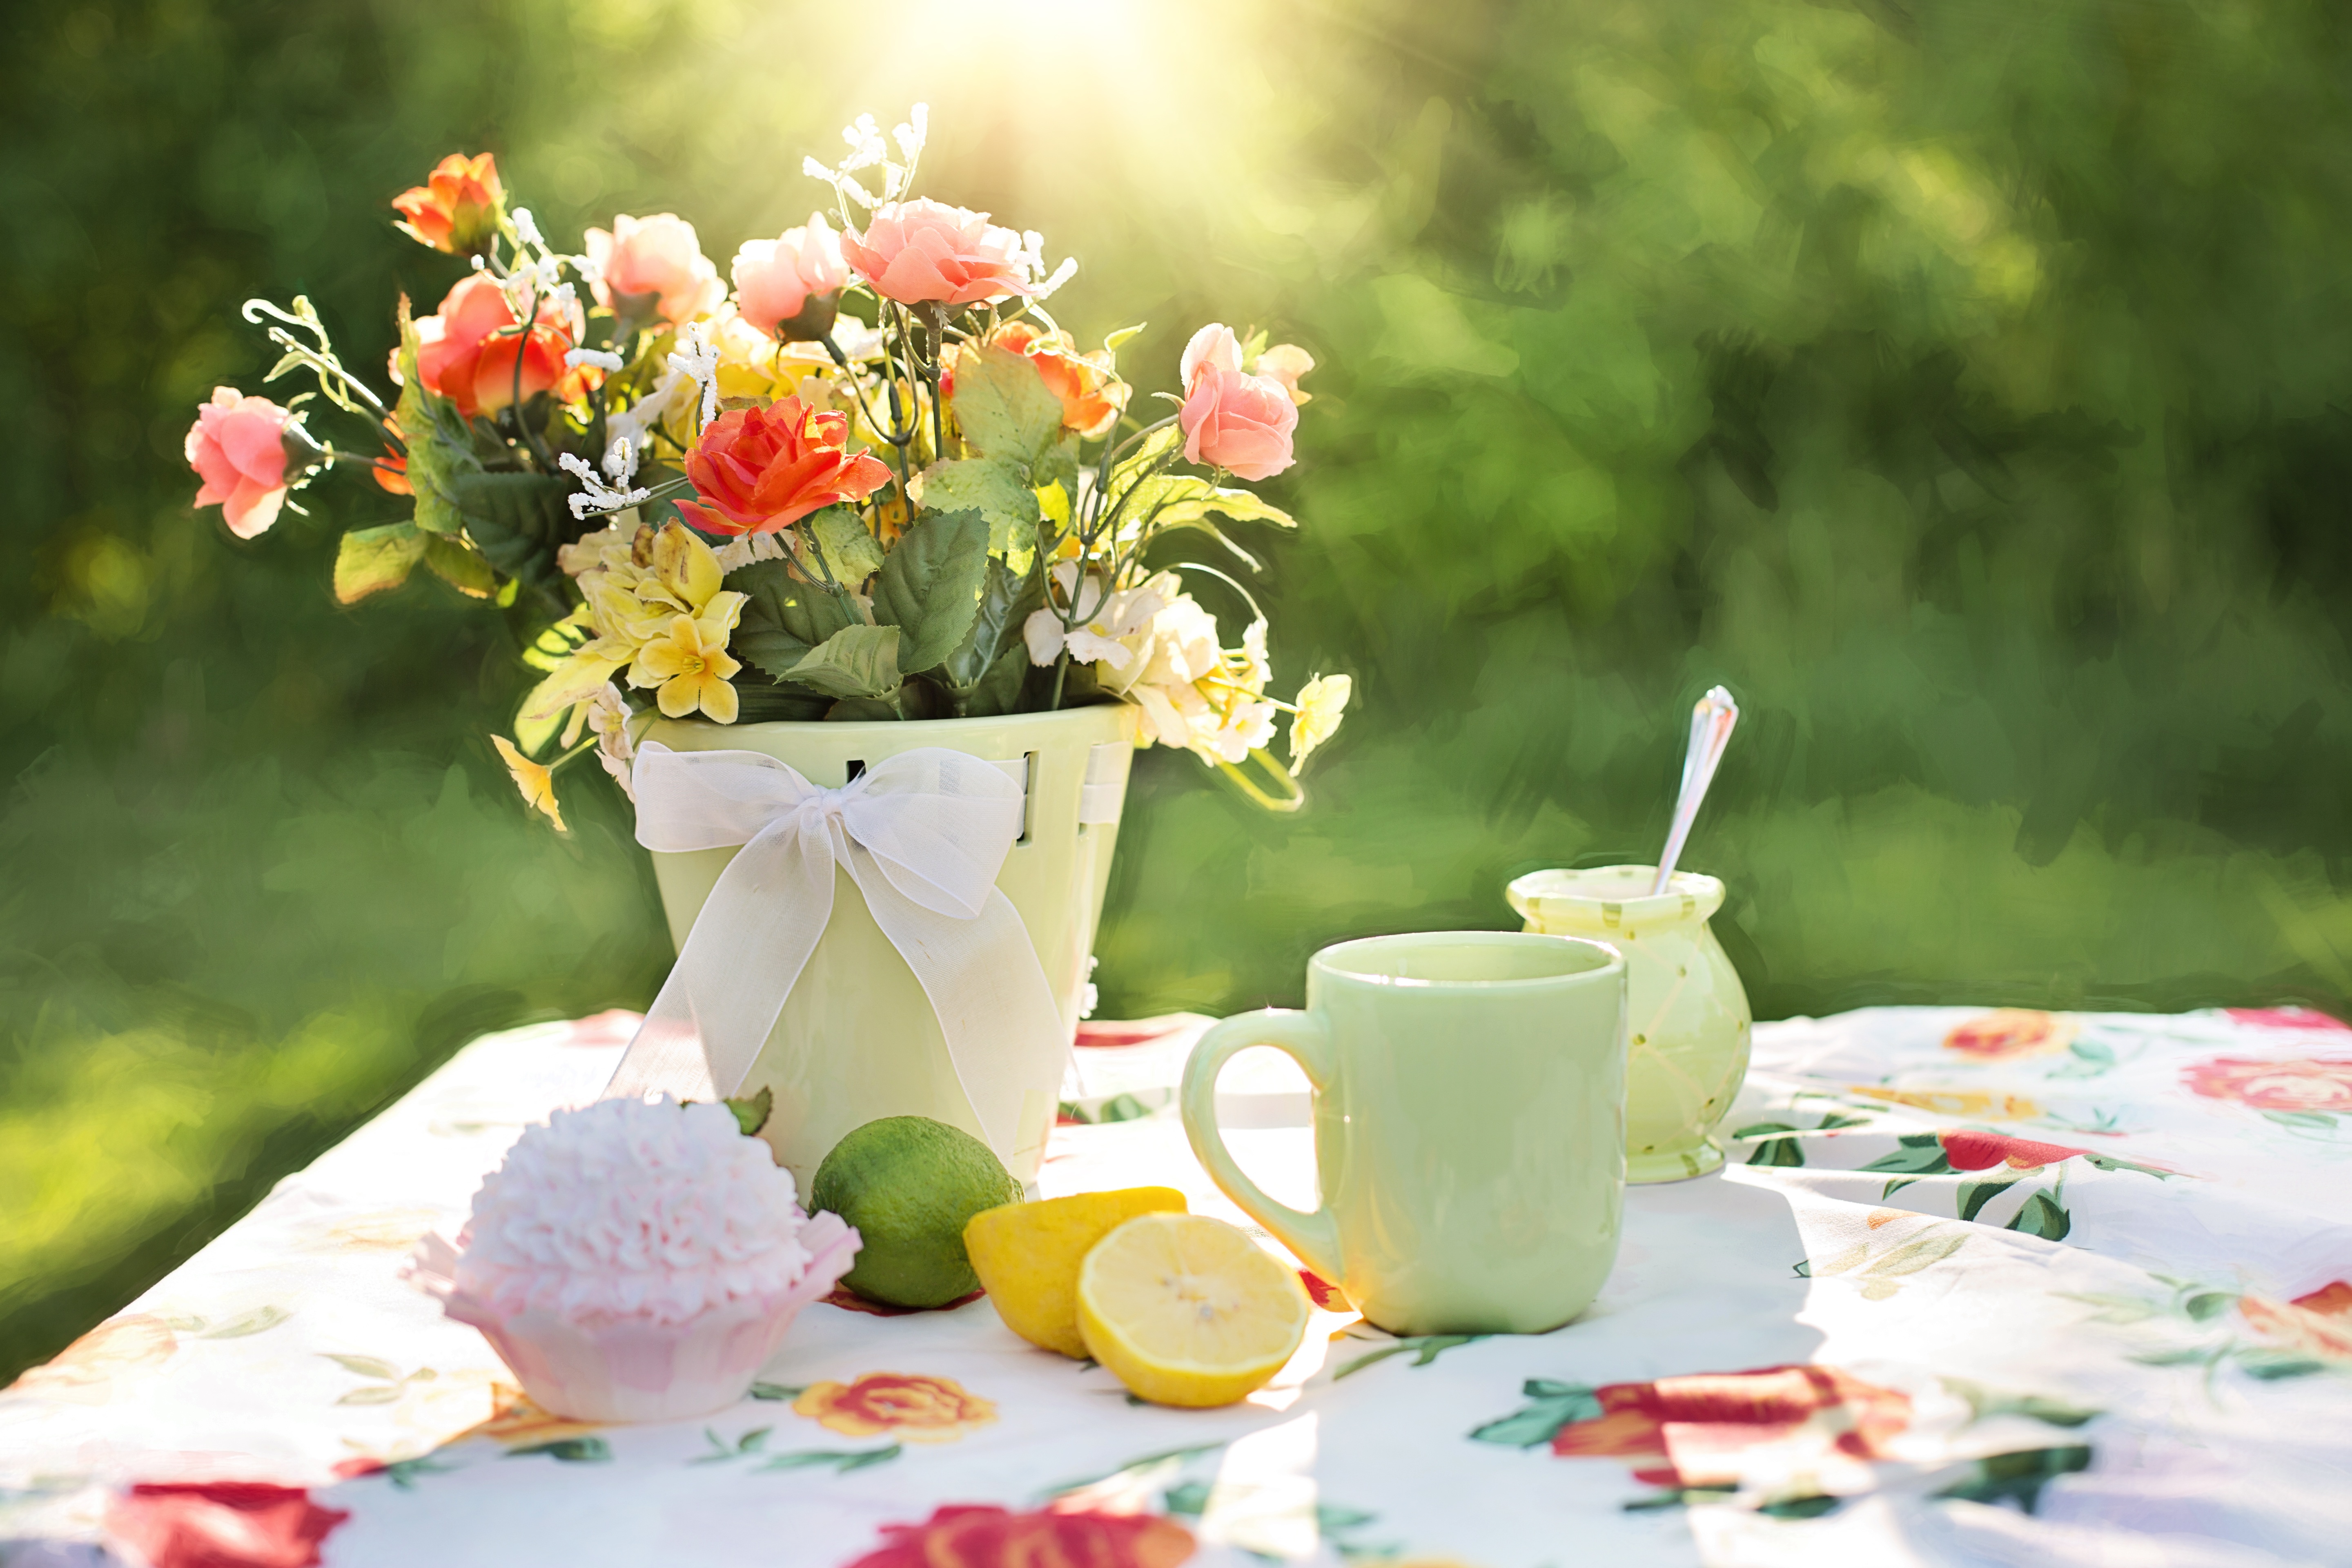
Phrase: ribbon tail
(747, 948)
(1002, 1030)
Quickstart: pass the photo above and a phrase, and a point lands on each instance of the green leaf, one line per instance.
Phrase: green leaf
(2270, 1365)
(1154, 452)
(435, 458)
(2207, 1305)
(2042, 1216)
(375, 1394)
(517, 521)
(363, 1366)
(856, 661)
(1912, 1257)
(984, 674)
(1984, 1400)
(776, 1391)
(1114, 340)
(372, 560)
(851, 550)
(842, 1460)
(784, 618)
(571, 1450)
(1003, 406)
(251, 1322)
(1918, 1154)
(753, 1110)
(458, 565)
(1974, 1195)
(1777, 1144)
(997, 489)
(1541, 1421)
(929, 589)
(2018, 1478)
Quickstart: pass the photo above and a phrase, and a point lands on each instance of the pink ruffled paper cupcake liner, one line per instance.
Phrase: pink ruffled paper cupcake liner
(606, 1368)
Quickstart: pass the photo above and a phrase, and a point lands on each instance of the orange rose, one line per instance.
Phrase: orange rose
(1091, 396)
(921, 251)
(915, 1409)
(458, 208)
(964, 1536)
(760, 470)
(2010, 1032)
(467, 352)
(2318, 1324)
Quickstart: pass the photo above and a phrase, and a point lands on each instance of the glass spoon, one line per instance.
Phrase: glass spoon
(1711, 722)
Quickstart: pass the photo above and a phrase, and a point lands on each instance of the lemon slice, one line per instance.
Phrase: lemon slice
(1185, 1310)
(1027, 1256)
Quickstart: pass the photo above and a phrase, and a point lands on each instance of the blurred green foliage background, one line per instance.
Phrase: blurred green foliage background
(1964, 384)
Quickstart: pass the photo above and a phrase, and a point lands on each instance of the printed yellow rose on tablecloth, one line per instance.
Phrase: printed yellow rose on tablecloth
(915, 1409)
(1957, 1103)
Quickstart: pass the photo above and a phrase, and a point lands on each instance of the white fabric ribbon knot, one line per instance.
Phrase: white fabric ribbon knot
(923, 834)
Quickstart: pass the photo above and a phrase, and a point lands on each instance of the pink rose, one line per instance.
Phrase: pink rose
(2310, 1083)
(1231, 420)
(924, 250)
(775, 279)
(656, 258)
(238, 445)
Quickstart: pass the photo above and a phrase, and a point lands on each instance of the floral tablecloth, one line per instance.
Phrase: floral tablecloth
(2006, 1287)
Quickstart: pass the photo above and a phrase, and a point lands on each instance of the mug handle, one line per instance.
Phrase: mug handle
(1315, 1237)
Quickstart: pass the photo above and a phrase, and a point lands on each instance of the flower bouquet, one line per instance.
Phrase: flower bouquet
(871, 481)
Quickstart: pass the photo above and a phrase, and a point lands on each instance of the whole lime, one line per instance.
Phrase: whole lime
(908, 1183)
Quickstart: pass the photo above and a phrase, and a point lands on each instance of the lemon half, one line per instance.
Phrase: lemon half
(1185, 1310)
(1027, 1256)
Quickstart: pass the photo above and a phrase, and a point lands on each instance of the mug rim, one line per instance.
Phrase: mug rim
(1612, 961)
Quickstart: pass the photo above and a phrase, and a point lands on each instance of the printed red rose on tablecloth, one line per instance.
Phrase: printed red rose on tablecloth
(2318, 1323)
(2289, 1083)
(1968, 1150)
(964, 1536)
(221, 1524)
(916, 1408)
(2010, 1032)
(1709, 1427)
(2289, 1018)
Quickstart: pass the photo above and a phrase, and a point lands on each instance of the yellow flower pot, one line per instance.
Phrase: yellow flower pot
(1687, 1019)
(857, 1039)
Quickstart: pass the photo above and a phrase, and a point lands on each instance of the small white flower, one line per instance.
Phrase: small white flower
(744, 550)
(597, 495)
(575, 358)
(1321, 701)
(697, 360)
(526, 229)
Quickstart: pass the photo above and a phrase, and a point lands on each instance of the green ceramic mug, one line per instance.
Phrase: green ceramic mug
(1469, 1126)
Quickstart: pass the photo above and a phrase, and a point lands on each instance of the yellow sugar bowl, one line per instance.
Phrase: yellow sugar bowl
(1687, 1017)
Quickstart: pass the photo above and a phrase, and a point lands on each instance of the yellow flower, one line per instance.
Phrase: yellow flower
(636, 590)
(537, 783)
(1959, 1103)
(910, 1406)
(1320, 702)
(690, 665)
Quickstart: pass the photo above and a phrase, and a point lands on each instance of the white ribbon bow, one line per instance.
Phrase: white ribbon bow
(923, 834)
